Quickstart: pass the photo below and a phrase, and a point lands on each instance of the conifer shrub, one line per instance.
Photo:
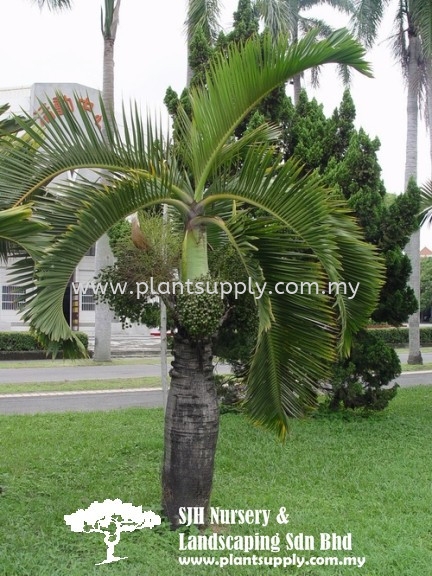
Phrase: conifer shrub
(363, 379)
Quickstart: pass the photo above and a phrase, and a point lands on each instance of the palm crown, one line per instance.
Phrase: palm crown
(304, 235)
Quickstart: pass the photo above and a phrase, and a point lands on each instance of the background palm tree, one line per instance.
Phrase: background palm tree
(287, 17)
(103, 253)
(202, 15)
(411, 46)
(282, 225)
(54, 4)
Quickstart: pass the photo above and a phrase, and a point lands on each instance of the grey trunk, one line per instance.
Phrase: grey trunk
(191, 429)
(413, 247)
(295, 36)
(429, 107)
(297, 88)
(104, 256)
(103, 314)
(189, 72)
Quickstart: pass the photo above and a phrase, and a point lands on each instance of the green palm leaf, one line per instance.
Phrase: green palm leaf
(422, 16)
(284, 225)
(237, 84)
(203, 14)
(426, 200)
(17, 227)
(310, 239)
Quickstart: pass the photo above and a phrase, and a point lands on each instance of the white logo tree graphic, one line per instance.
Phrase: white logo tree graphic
(111, 518)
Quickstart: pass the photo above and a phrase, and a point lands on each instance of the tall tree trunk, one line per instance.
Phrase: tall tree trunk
(189, 32)
(104, 256)
(429, 106)
(294, 39)
(189, 71)
(192, 409)
(297, 88)
(413, 246)
(191, 429)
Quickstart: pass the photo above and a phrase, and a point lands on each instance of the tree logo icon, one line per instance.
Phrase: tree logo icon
(111, 518)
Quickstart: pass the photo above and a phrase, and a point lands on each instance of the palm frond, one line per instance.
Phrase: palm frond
(398, 41)
(346, 6)
(320, 222)
(277, 17)
(367, 17)
(236, 85)
(18, 228)
(426, 201)
(203, 14)
(308, 24)
(55, 4)
(82, 212)
(135, 175)
(68, 143)
(278, 370)
(311, 239)
(422, 17)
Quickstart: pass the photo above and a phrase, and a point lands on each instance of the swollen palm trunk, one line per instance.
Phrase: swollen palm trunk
(191, 429)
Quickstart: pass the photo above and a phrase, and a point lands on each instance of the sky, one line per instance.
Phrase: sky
(150, 55)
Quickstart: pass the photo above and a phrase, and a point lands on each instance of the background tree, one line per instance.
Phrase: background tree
(54, 4)
(138, 260)
(426, 289)
(347, 158)
(103, 254)
(412, 49)
(286, 16)
(111, 518)
(202, 26)
(297, 217)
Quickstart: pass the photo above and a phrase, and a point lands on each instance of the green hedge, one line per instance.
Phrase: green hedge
(398, 337)
(26, 342)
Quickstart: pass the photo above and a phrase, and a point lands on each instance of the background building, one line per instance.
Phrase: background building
(38, 101)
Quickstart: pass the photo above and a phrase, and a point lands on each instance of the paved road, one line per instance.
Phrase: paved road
(427, 357)
(415, 379)
(76, 373)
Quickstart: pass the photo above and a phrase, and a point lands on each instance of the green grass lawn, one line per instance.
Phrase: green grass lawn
(426, 367)
(370, 477)
(84, 362)
(72, 386)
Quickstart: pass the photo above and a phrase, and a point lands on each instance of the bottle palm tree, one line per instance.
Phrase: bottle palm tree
(411, 45)
(283, 225)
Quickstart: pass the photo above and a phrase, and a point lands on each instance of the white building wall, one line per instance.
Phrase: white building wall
(17, 98)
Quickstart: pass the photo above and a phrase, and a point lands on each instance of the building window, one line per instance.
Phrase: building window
(88, 301)
(10, 297)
